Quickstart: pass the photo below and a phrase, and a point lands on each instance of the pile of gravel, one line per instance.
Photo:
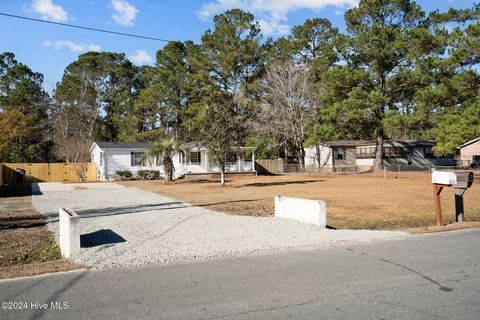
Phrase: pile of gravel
(123, 226)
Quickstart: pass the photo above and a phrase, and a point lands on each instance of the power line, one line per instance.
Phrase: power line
(85, 28)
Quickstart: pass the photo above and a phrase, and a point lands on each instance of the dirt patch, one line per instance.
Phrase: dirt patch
(353, 202)
(28, 270)
(25, 241)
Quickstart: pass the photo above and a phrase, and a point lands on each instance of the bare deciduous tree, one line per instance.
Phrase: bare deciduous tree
(287, 110)
(76, 112)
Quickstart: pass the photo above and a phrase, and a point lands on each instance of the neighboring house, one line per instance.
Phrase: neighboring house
(111, 157)
(359, 155)
(470, 153)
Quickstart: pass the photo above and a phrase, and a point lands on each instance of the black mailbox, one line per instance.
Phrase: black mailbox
(464, 180)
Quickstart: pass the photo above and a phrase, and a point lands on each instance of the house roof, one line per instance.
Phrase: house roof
(387, 143)
(469, 142)
(197, 146)
(123, 145)
(193, 146)
(410, 143)
(348, 143)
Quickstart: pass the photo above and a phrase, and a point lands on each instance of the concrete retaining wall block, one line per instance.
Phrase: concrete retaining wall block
(69, 232)
(303, 210)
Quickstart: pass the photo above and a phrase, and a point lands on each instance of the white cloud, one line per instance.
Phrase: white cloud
(273, 26)
(140, 57)
(49, 11)
(124, 13)
(271, 14)
(74, 47)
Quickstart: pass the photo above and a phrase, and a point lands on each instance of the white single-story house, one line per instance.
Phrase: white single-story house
(359, 155)
(470, 153)
(111, 157)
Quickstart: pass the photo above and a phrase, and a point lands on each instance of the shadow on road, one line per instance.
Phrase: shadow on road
(57, 295)
(112, 211)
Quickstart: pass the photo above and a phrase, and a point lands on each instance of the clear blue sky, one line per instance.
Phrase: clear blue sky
(49, 49)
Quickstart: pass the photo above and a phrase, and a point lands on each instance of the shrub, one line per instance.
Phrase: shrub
(125, 174)
(148, 174)
(142, 174)
(153, 174)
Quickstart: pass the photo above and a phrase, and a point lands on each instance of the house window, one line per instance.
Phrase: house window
(101, 158)
(136, 159)
(428, 153)
(194, 157)
(392, 152)
(232, 157)
(341, 154)
(366, 152)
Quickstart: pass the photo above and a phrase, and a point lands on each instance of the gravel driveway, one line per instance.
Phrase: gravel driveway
(124, 226)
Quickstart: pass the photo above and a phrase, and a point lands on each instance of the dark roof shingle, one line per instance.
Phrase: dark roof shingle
(123, 145)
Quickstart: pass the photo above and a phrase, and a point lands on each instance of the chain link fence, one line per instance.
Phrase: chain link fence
(388, 170)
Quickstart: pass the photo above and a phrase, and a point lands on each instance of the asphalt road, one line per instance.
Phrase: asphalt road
(422, 277)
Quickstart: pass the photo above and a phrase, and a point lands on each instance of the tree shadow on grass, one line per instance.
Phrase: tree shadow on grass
(280, 183)
(16, 190)
(22, 224)
(100, 237)
(231, 201)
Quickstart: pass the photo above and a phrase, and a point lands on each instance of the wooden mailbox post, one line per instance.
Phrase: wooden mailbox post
(460, 181)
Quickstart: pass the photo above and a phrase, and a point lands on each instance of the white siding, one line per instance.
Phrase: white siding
(179, 167)
(365, 162)
(469, 152)
(120, 160)
(98, 158)
(318, 156)
(201, 167)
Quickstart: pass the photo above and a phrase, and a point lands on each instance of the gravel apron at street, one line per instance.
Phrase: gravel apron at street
(122, 226)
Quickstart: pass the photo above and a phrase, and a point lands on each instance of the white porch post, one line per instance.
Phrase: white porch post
(253, 159)
(239, 163)
(105, 165)
(206, 161)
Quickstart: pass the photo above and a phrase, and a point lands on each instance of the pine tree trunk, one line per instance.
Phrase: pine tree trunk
(379, 151)
(222, 177)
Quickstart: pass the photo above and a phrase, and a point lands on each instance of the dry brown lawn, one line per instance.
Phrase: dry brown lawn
(353, 201)
(27, 247)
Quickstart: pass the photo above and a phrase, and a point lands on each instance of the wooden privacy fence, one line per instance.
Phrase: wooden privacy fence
(48, 172)
(270, 166)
